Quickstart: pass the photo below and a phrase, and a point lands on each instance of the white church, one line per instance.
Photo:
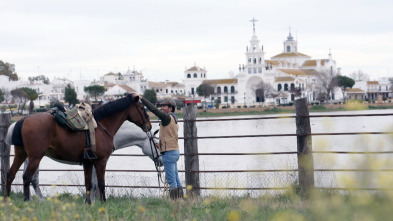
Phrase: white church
(284, 72)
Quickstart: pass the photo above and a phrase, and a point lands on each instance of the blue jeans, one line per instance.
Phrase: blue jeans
(170, 159)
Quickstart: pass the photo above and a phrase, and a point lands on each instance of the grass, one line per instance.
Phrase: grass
(321, 206)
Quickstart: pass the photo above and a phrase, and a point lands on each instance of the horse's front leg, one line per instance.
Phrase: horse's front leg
(94, 189)
(87, 168)
(100, 169)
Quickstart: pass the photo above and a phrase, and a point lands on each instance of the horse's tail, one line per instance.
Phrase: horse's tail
(8, 137)
(14, 134)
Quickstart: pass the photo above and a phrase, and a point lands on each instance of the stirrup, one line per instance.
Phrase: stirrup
(88, 154)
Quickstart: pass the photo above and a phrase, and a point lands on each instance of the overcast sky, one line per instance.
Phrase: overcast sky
(88, 39)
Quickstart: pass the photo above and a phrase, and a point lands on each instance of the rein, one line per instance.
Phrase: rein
(153, 149)
(103, 127)
(155, 159)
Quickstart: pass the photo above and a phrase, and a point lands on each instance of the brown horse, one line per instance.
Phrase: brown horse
(42, 136)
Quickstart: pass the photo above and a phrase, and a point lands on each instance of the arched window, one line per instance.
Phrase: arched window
(288, 48)
(285, 87)
(195, 75)
(292, 86)
(225, 89)
(279, 87)
(255, 60)
(188, 75)
(218, 90)
(232, 89)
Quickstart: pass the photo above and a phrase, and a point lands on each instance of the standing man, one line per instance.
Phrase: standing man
(168, 144)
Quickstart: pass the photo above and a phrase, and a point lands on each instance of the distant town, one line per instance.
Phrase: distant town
(280, 80)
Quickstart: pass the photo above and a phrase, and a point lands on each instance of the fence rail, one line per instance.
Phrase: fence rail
(304, 152)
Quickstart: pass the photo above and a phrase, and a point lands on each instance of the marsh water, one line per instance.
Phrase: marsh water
(350, 143)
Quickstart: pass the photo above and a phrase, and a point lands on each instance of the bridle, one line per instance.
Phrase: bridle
(144, 123)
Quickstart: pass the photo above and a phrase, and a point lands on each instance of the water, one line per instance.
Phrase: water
(261, 162)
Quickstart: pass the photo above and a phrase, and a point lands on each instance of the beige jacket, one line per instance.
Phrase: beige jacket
(169, 136)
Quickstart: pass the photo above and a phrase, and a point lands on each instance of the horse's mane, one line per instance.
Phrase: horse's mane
(112, 107)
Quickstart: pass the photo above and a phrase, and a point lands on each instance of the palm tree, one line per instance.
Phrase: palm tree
(32, 95)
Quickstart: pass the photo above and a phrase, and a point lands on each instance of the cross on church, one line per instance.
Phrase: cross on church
(253, 23)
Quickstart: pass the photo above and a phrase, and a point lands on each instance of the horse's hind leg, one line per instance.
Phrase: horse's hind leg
(28, 175)
(20, 156)
(35, 182)
(87, 168)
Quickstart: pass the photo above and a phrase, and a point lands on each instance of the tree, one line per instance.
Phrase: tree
(359, 76)
(95, 91)
(70, 96)
(7, 97)
(328, 82)
(263, 90)
(31, 95)
(42, 78)
(205, 90)
(345, 82)
(8, 69)
(20, 97)
(217, 102)
(1, 96)
(150, 95)
(296, 91)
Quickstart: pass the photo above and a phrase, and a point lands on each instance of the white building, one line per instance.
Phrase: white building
(285, 71)
(167, 89)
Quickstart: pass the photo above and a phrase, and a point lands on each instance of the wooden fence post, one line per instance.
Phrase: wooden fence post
(304, 148)
(191, 162)
(5, 122)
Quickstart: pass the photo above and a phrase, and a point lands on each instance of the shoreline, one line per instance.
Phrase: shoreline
(234, 111)
(280, 110)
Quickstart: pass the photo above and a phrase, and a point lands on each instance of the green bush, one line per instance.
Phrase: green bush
(318, 107)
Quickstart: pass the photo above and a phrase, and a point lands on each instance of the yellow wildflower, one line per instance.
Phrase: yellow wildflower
(141, 209)
(233, 215)
(101, 210)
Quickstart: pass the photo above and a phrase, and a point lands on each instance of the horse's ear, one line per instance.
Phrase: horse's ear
(135, 97)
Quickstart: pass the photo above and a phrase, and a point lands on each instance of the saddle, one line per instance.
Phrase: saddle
(79, 118)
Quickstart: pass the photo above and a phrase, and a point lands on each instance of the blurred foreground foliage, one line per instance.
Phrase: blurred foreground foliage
(323, 205)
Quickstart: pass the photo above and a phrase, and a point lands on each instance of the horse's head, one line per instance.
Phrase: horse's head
(138, 115)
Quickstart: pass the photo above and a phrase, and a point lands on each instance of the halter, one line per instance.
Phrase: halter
(144, 125)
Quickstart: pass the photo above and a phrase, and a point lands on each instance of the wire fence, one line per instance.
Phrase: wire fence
(232, 181)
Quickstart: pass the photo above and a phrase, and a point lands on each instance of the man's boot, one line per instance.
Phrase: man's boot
(180, 192)
(174, 194)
